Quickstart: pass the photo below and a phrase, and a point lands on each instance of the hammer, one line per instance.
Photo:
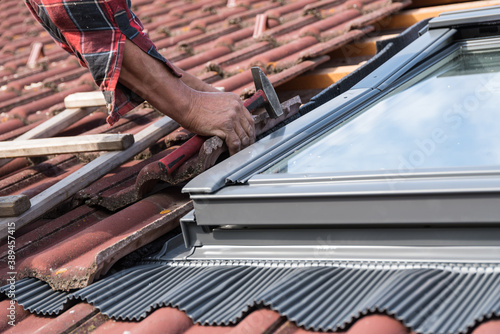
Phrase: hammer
(265, 96)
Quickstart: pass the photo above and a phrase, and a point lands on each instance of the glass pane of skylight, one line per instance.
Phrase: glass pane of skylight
(448, 116)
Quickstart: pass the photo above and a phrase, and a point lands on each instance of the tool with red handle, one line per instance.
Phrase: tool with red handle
(265, 96)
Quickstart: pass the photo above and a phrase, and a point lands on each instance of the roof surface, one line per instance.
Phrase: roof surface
(79, 240)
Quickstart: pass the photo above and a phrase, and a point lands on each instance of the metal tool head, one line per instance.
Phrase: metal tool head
(261, 82)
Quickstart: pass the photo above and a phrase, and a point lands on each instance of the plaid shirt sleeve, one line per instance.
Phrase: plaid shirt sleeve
(95, 32)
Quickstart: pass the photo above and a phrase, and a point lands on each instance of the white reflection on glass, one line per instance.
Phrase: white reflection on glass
(445, 117)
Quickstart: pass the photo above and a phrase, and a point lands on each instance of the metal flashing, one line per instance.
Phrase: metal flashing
(462, 197)
(381, 254)
(423, 47)
(477, 16)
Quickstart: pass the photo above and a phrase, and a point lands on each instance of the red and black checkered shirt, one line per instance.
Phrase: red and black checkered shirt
(95, 32)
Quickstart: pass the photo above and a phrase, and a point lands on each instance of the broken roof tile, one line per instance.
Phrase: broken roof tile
(251, 14)
(260, 25)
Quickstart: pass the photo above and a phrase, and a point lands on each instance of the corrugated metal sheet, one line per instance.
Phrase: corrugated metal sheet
(34, 295)
(428, 298)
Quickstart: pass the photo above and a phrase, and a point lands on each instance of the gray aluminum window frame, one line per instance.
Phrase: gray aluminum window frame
(238, 196)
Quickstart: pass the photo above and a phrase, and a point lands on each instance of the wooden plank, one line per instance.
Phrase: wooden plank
(427, 3)
(319, 79)
(57, 123)
(53, 126)
(11, 206)
(365, 47)
(84, 100)
(59, 145)
(64, 189)
(407, 18)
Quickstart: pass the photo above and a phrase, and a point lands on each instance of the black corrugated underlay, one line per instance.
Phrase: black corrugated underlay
(428, 298)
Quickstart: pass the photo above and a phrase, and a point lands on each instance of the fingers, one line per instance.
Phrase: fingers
(249, 124)
(233, 143)
(240, 136)
(245, 128)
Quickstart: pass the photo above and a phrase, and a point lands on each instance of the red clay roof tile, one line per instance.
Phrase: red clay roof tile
(8, 125)
(13, 166)
(90, 250)
(67, 321)
(160, 321)
(24, 99)
(16, 133)
(46, 102)
(57, 70)
(25, 178)
(489, 327)
(372, 324)
(23, 320)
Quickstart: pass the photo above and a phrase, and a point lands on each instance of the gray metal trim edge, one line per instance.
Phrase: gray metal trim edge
(334, 210)
(379, 254)
(466, 17)
(430, 42)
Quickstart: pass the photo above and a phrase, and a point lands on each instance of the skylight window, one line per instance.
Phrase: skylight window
(447, 116)
(415, 142)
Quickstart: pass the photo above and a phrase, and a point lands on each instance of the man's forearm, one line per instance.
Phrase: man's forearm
(194, 104)
(194, 82)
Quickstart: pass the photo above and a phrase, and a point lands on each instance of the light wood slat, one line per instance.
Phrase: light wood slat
(57, 123)
(60, 145)
(84, 100)
(53, 126)
(11, 206)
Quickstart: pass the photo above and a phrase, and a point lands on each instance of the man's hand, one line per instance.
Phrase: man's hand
(194, 104)
(222, 115)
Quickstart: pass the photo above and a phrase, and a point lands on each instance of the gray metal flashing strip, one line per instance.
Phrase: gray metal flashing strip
(376, 210)
(429, 43)
(455, 197)
(314, 253)
(477, 16)
(378, 183)
(327, 296)
(386, 49)
(409, 244)
(370, 176)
